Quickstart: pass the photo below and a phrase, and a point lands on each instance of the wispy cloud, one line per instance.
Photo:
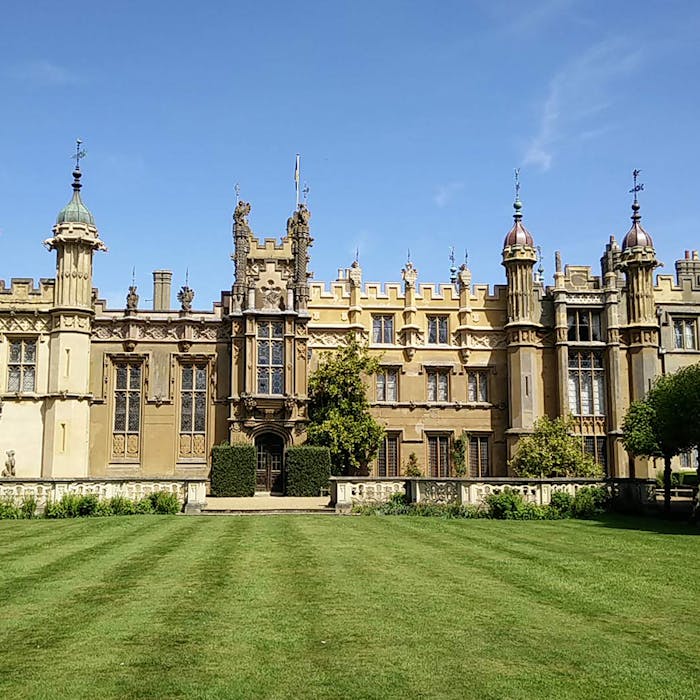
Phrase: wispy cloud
(527, 18)
(42, 73)
(579, 98)
(445, 193)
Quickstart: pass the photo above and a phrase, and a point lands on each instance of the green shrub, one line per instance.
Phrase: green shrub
(561, 502)
(505, 505)
(8, 510)
(28, 507)
(233, 470)
(88, 505)
(165, 503)
(589, 501)
(143, 507)
(119, 505)
(308, 470)
(412, 468)
(67, 507)
(104, 509)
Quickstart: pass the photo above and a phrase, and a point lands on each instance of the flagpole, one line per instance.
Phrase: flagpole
(296, 178)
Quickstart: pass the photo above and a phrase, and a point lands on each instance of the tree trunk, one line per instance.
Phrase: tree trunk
(667, 485)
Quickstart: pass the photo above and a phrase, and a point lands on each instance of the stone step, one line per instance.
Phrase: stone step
(268, 511)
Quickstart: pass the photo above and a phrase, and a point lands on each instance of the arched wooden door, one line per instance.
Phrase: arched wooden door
(270, 470)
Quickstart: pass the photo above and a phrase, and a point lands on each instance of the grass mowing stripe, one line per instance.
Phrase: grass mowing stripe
(19, 581)
(71, 613)
(530, 583)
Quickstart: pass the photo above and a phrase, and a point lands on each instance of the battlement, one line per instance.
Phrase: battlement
(270, 248)
(23, 292)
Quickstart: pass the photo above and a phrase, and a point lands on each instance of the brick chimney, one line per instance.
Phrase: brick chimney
(162, 282)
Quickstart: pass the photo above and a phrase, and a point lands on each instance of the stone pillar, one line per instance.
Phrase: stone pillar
(162, 284)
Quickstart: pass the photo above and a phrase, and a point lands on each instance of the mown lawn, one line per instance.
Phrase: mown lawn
(330, 607)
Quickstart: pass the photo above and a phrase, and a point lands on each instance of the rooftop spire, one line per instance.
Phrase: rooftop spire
(518, 235)
(636, 236)
(517, 204)
(75, 211)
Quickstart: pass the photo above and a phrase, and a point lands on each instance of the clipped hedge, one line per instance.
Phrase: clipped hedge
(308, 470)
(233, 470)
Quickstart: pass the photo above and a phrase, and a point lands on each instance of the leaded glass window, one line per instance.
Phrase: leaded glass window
(437, 330)
(387, 384)
(586, 383)
(438, 385)
(478, 386)
(193, 410)
(21, 368)
(127, 410)
(270, 357)
(584, 325)
(382, 329)
(684, 334)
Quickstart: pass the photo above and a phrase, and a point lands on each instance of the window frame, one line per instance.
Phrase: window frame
(579, 372)
(481, 379)
(270, 367)
(130, 363)
(442, 329)
(22, 365)
(437, 373)
(685, 323)
(442, 469)
(384, 371)
(594, 321)
(383, 327)
(194, 453)
(479, 446)
(383, 454)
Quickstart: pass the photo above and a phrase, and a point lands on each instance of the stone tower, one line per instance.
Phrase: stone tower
(67, 418)
(524, 362)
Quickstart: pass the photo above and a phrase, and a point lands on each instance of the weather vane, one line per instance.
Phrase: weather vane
(237, 190)
(79, 154)
(517, 184)
(133, 275)
(408, 255)
(466, 258)
(305, 192)
(357, 254)
(637, 187)
(452, 255)
(187, 277)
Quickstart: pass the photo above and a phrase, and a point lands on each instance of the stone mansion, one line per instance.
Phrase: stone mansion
(91, 392)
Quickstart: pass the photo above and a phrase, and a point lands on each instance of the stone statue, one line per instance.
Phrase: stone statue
(185, 296)
(9, 469)
(240, 215)
(557, 261)
(409, 274)
(132, 299)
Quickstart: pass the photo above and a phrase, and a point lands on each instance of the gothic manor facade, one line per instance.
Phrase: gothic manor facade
(91, 392)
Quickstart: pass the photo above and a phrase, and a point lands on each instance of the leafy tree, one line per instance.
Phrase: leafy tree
(412, 468)
(552, 451)
(339, 416)
(666, 422)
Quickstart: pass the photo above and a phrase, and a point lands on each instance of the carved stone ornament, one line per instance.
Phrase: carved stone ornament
(132, 299)
(271, 298)
(240, 214)
(249, 402)
(25, 324)
(355, 274)
(409, 274)
(186, 296)
(9, 469)
(289, 403)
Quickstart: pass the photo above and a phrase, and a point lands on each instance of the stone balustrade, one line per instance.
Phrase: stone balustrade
(348, 491)
(190, 492)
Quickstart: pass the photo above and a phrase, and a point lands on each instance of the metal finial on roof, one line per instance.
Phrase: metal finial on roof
(638, 187)
(187, 277)
(453, 267)
(133, 275)
(517, 184)
(305, 191)
(237, 190)
(466, 258)
(80, 153)
(408, 255)
(357, 254)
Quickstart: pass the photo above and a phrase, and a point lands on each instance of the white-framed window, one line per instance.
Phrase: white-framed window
(270, 340)
(479, 462)
(478, 386)
(586, 383)
(383, 329)
(193, 410)
(21, 367)
(388, 456)
(438, 384)
(387, 384)
(439, 455)
(437, 330)
(128, 390)
(685, 333)
(584, 325)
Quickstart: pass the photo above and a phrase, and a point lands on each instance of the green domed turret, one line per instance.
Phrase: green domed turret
(75, 212)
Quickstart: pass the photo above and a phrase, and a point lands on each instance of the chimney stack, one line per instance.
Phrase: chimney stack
(162, 282)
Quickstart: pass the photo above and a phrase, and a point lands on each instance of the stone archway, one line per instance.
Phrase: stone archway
(270, 463)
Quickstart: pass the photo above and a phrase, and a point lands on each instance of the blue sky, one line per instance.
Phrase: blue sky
(410, 118)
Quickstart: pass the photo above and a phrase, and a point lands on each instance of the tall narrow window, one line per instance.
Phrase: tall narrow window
(479, 457)
(586, 383)
(437, 330)
(439, 455)
(596, 447)
(388, 457)
(684, 333)
(270, 357)
(193, 411)
(382, 329)
(127, 411)
(584, 325)
(478, 386)
(438, 385)
(21, 369)
(387, 384)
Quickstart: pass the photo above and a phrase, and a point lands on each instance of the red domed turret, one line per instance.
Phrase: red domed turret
(518, 235)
